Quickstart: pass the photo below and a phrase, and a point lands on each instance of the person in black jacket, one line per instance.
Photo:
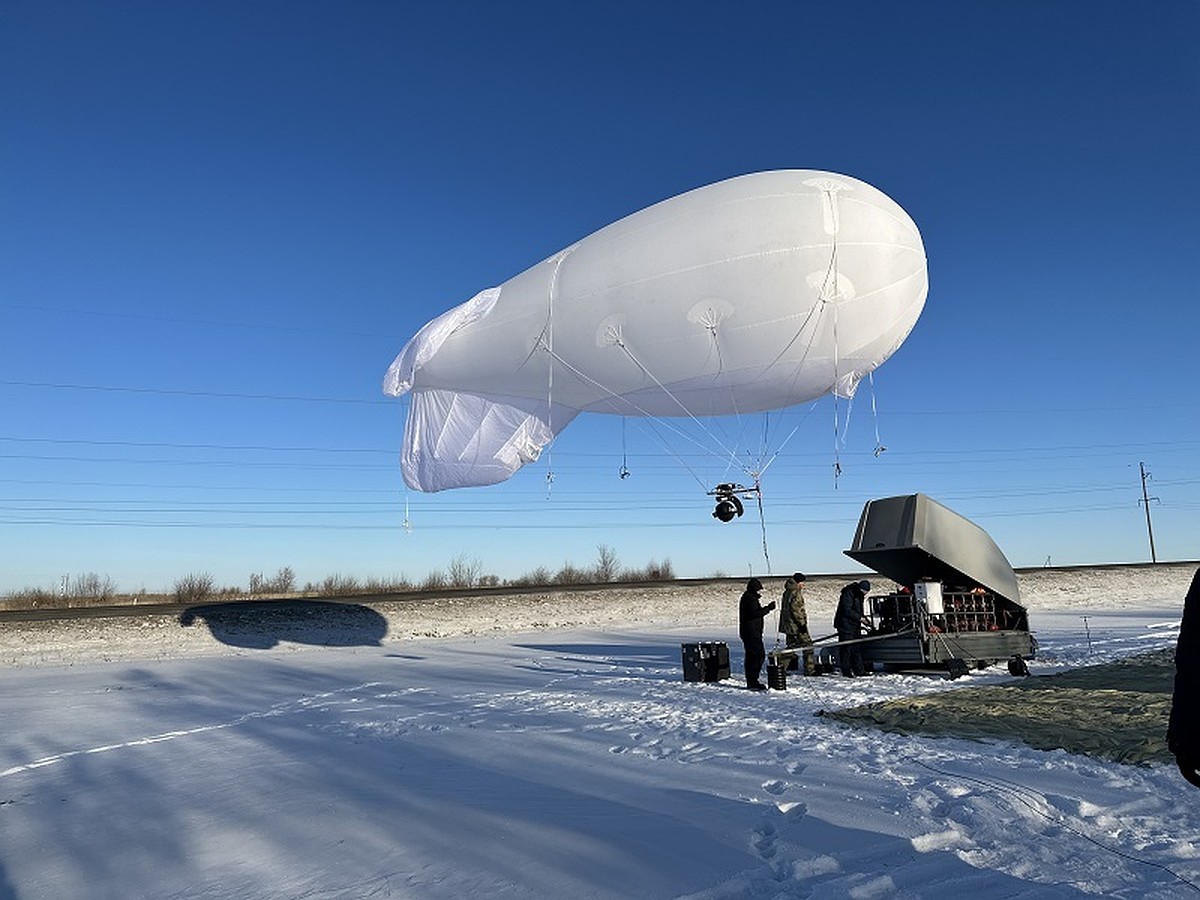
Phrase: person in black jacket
(848, 621)
(750, 629)
(1183, 732)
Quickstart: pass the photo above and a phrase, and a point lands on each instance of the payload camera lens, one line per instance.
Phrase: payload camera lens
(729, 507)
(727, 510)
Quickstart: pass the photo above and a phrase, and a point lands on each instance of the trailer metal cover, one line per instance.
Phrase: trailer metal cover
(912, 538)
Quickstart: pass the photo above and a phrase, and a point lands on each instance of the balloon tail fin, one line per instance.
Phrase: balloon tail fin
(454, 439)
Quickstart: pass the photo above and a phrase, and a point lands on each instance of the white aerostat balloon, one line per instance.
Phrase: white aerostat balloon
(751, 294)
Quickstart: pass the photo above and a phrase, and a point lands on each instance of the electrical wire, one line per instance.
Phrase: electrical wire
(173, 392)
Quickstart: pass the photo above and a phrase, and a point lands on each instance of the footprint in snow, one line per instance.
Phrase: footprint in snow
(775, 787)
(763, 840)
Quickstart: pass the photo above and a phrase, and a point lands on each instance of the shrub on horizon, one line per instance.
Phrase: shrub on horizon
(394, 585)
(339, 585)
(462, 572)
(569, 574)
(653, 571)
(91, 587)
(660, 571)
(606, 568)
(283, 582)
(539, 577)
(434, 581)
(194, 588)
(31, 598)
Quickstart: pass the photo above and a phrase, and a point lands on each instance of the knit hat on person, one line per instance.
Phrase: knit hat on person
(798, 577)
(754, 585)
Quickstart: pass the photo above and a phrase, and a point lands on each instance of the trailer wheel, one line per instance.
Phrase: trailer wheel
(956, 668)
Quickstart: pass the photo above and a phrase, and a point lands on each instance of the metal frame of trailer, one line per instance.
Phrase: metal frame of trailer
(969, 631)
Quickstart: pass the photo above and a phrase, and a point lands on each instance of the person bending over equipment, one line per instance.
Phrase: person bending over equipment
(849, 622)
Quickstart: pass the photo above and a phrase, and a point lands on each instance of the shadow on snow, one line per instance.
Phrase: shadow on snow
(263, 624)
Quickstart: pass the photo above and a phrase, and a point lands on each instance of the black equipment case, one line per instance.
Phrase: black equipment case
(705, 661)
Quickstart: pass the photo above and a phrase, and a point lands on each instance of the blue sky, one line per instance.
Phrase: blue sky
(220, 221)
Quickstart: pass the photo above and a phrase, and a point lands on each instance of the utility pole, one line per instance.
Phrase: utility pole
(1146, 503)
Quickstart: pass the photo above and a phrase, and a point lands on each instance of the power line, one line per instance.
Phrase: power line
(172, 392)
(216, 463)
(575, 502)
(158, 486)
(158, 445)
(504, 519)
(211, 323)
(958, 413)
(572, 461)
(974, 454)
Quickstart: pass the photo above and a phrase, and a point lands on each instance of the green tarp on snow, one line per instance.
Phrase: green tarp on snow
(1116, 711)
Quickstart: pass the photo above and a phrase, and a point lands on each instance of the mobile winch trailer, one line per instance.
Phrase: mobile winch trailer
(958, 604)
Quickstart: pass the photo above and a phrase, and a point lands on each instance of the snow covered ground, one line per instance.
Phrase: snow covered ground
(548, 747)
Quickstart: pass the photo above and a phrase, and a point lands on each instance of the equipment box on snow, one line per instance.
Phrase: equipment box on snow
(705, 661)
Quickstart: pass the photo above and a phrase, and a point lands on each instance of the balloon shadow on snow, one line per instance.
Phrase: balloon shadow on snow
(263, 624)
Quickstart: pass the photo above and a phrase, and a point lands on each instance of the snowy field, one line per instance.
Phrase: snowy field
(547, 747)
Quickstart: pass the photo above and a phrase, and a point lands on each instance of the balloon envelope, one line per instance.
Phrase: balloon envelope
(751, 294)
